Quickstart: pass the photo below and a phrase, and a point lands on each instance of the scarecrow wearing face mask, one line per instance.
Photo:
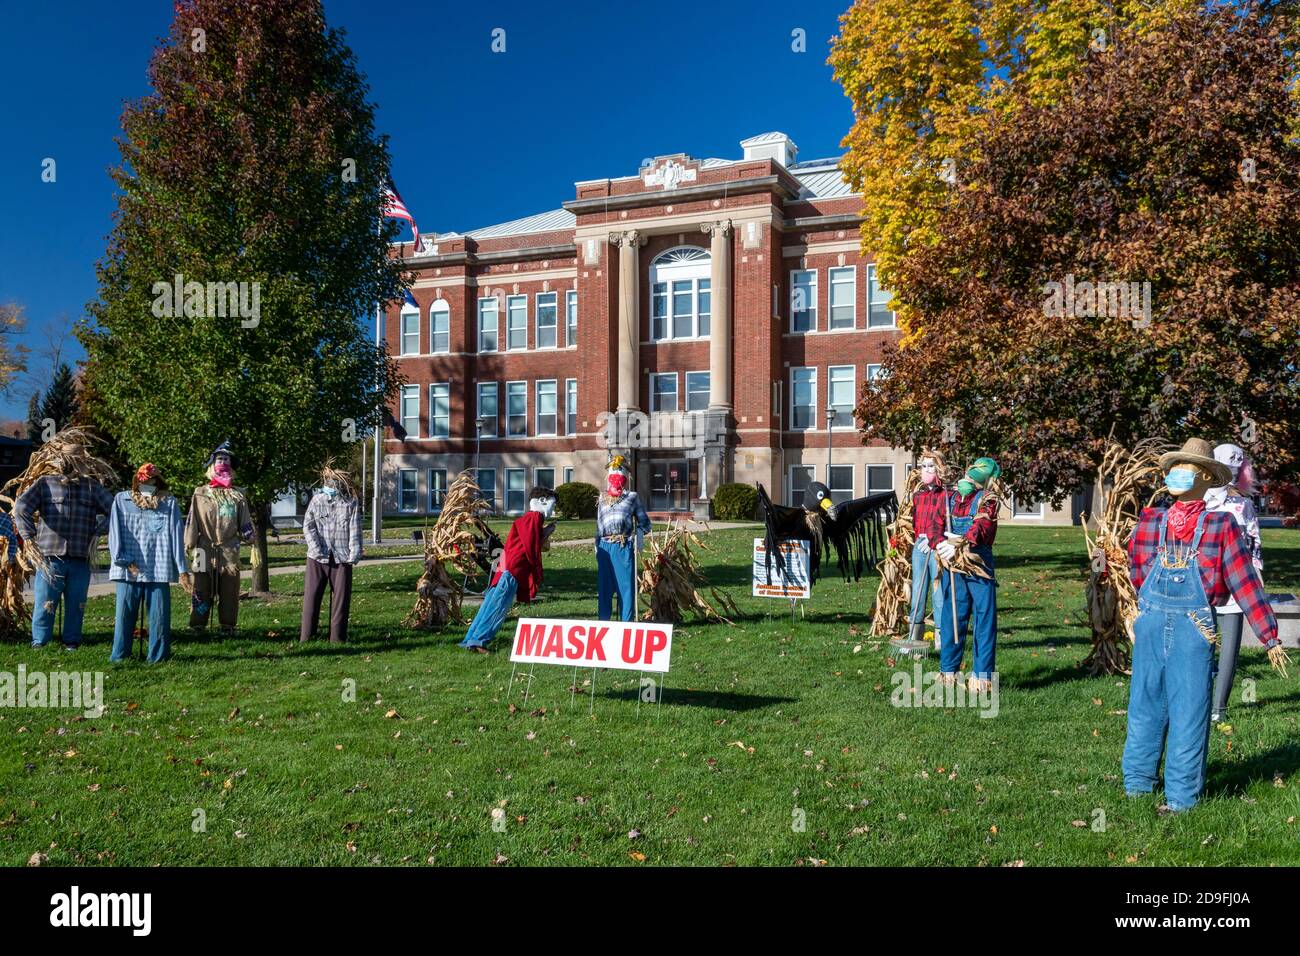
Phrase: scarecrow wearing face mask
(928, 525)
(621, 526)
(519, 571)
(967, 588)
(146, 545)
(332, 529)
(1184, 561)
(219, 521)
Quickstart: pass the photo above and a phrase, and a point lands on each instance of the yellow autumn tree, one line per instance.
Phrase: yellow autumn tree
(923, 75)
(13, 357)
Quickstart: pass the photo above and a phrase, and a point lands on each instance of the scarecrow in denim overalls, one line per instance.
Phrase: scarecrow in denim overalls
(967, 587)
(1184, 561)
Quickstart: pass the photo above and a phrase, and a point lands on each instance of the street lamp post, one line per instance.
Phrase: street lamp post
(830, 418)
(478, 444)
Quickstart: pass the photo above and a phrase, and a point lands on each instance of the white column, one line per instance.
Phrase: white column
(629, 244)
(720, 319)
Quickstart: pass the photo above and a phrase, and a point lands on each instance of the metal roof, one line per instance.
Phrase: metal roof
(822, 182)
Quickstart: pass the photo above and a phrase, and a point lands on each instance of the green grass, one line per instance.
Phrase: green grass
(758, 720)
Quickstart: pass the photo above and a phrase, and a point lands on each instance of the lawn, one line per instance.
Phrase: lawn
(764, 725)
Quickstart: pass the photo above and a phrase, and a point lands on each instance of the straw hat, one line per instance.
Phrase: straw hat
(1197, 451)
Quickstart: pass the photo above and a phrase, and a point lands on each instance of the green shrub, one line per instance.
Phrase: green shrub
(735, 502)
(576, 499)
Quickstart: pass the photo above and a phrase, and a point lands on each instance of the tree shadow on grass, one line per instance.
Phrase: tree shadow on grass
(1235, 778)
(719, 700)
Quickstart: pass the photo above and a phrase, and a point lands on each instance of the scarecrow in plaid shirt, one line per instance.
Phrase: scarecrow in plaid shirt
(928, 525)
(1184, 561)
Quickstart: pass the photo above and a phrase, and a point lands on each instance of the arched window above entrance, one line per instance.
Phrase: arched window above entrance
(680, 294)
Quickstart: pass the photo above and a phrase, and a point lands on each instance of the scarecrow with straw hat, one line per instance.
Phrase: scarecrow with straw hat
(621, 526)
(146, 545)
(968, 591)
(62, 489)
(1185, 560)
(219, 521)
(332, 529)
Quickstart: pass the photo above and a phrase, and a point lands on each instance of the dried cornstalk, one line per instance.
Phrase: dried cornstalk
(671, 578)
(1129, 481)
(453, 541)
(13, 607)
(890, 612)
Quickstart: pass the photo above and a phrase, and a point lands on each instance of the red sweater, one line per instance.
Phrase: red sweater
(522, 555)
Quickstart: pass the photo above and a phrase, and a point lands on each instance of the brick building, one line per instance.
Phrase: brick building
(707, 317)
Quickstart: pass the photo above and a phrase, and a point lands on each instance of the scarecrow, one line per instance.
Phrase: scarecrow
(1184, 561)
(146, 545)
(218, 522)
(1234, 498)
(13, 606)
(854, 529)
(519, 571)
(621, 526)
(968, 591)
(62, 489)
(926, 504)
(332, 529)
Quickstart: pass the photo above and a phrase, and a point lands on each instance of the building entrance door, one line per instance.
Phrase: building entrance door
(669, 484)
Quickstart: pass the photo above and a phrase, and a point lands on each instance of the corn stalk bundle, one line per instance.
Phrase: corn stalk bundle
(65, 456)
(894, 595)
(452, 541)
(670, 575)
(13, 608)
(1129, 481)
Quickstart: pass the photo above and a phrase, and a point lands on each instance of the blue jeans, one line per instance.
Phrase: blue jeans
(157, 599)
(67, 580)
(925, 569)
(615, 569)
(978, 598)
(492, 613)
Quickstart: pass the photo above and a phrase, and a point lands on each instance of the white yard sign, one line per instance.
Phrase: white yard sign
(794, 583)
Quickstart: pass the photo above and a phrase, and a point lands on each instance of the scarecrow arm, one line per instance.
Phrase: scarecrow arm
(779, 524)
(857, 531)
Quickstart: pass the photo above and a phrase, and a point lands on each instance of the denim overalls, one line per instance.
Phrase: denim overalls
(1173, 669)
(974, 595)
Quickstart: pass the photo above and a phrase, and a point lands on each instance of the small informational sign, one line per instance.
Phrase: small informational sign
(794, 583)
(618, 645)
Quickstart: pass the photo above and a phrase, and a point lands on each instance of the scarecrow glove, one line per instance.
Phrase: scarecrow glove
(923, 544)
(946, 550)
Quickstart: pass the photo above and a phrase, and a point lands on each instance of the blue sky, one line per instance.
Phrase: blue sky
(583, 90)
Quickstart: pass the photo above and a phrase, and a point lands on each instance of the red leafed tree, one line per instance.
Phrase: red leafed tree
(1166, 162)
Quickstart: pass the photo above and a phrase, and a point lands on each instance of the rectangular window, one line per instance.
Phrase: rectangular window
(839, 479)
(544, 478)
(487, 409)
(706, 305)
(663, 392)
(571, 317)
(801, 476)
(803, 398)
(1026, 509)
(411, 332)
(874, 372)
(547, 409)
(487, 325)
(840, 394)
(571, 406)
(683, 313)
(515, 490)
(880, 316)
(407, 482)
(568, 475)
(547, 330)
(439, 328)
(440, 410)
(411, 410)
(697, 391)
(487, 485)
(516, 409)
(437, 488)
(880, 478)
(803, 300)
(516, 322)
(659, 311)
(843, 297)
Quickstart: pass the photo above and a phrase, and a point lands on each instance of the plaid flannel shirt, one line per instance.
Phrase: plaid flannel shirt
(624, 515)
(152, 539)
(980, 532)
(928, 513)
(332, 527)
(10, 534)
(73, 514)
(1224, 562)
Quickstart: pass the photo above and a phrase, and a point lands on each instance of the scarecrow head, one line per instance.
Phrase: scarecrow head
(817, 497)
(616, 476)
(978, 475)
(931, 465)
(221, 464)
(335, 482)
(148, 480)
(543, 500)
(1243, 472)
(1193, 470)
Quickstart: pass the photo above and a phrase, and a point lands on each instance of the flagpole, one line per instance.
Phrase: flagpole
(376, 518)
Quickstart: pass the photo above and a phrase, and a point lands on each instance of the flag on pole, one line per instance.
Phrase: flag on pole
(396, 209)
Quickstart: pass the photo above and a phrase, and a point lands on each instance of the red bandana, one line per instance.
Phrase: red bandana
(1183, 516)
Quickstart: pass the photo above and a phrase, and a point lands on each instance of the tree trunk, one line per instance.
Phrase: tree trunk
(261, 571)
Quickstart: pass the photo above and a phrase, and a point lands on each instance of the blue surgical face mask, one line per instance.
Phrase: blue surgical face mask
(1179, 480)
(330, 491)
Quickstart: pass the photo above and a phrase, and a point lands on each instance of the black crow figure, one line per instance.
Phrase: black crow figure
(855, 529)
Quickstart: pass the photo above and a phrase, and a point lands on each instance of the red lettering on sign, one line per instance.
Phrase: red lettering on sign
(595, 648)
(574, 650)
(656, 640)
(629, 655)
(554, 642)
(528, 641)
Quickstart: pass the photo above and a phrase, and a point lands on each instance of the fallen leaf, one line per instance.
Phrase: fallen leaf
(638, 856)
